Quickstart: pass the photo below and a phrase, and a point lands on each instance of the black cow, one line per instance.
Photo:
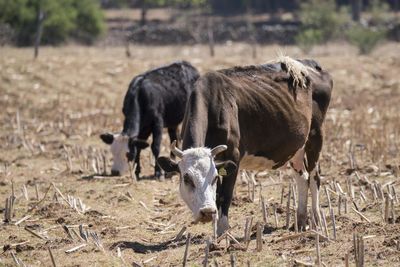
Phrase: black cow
(155, 100)
(264, 116)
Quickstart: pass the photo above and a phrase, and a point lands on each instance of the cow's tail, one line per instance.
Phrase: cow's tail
(297, 70)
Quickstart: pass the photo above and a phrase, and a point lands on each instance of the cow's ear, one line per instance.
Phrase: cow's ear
(226, 168)
(141, 144)
(168, 165)
(107, 138)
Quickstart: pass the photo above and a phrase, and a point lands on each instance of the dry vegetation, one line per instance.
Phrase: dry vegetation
(54, 108)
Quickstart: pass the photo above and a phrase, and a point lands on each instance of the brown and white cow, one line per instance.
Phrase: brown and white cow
(255, 117)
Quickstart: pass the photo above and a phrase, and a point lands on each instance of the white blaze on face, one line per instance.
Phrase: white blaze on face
(199, 192)
(119, 148)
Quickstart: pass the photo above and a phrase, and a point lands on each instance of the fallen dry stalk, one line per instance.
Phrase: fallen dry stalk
(361, 215)
(221, 237)
(34, 234)
(23, 219)
(75, 248)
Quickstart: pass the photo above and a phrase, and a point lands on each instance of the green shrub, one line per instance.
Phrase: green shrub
(320, 22)
(90, 21)
(308, 38)
(366, 39)
(82, 19)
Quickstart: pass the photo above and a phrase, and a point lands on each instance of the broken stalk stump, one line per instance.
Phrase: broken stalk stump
(53, 262)
(259, 237)
(288, 207)
(185, 255)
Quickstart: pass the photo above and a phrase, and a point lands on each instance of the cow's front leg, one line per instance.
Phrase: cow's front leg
(302, 196)
(137, 163)
(225, 193)
(314, 187)
(301, 174)
(155, 146)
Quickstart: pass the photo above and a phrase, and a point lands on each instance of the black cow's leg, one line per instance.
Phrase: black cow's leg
(225, 193)
(313, 149)
(137, 162)
(144, 135)
(173, 135)
(155, 146)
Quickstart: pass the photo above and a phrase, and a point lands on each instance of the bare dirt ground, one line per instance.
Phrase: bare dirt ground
(53, 110)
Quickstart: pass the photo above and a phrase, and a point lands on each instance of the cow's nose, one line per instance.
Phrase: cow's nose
(114, 173)
(207, 213)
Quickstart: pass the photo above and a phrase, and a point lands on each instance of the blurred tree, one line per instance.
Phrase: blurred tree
(356, 6)
(320, 23)
(366, 38)
(82, 19)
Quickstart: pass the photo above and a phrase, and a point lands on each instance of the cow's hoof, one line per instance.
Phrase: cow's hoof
(302, 223)
(137, 176)
(168, 175)
(159, 176)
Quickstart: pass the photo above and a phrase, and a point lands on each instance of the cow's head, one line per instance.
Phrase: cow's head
(198, 178)
(123, 149)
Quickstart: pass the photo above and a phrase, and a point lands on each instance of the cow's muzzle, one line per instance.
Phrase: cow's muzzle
(206, 214)
(115, 173)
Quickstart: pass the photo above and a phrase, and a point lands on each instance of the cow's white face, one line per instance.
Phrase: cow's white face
(198, 183)
(199, 177)
(119, 149)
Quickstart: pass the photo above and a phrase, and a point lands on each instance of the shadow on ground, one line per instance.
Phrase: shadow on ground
(143, 248)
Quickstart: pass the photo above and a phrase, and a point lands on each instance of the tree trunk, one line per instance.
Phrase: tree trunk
(210, 36)
(252, 31)
(143, 13)
(356, 6)
(127, 35)
(396, 5)
(39, 29)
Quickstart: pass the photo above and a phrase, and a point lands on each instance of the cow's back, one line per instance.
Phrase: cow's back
(255, 110)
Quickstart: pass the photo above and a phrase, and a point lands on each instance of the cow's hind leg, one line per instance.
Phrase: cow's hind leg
(173, 136)
(155, 146)
(301, 174)
(313, 149)
(143, 136)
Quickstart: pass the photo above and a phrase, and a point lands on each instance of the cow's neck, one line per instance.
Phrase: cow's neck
(196, 124)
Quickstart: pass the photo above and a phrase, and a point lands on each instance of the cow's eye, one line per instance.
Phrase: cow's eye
(188, 181)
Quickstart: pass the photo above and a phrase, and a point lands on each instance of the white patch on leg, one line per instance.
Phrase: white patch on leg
(302, 177)
(302, 196)
(251, 162)
(222, 224)
(297, 160)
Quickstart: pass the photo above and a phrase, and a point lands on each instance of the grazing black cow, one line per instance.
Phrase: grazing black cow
(155, 100)
(265, 116)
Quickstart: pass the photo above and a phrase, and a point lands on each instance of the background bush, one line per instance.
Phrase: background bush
(320, 23)
(367, 37)
(81, 19)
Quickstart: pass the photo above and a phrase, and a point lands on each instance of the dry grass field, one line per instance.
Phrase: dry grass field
(53, 110)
